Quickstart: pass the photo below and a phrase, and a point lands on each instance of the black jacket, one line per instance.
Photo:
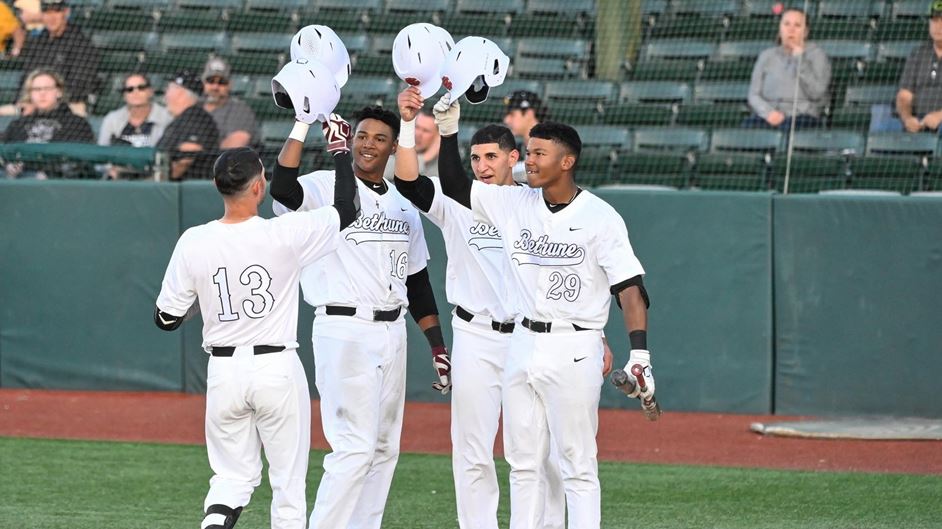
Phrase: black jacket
(72, 55)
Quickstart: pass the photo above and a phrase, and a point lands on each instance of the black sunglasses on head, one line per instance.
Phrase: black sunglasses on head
(54, 8)
(140, 88)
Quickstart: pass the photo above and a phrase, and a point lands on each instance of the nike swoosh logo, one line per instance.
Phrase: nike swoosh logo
(403, 209)
(165, 322)
(579, 359)
(574, 229)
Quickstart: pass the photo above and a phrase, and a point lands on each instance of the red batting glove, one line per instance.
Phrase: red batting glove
(442, 366)
(337, 134)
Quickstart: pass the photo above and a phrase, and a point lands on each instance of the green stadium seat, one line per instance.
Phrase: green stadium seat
(114, 19)
(355, 44)
(281, 6)
(264, 107)
(716, 104)
(661, 156)
(657, 70)
(734, 60)
(259, 43)
(126, 40)
(481, 17)
(713, 8)
(820, 161)
(903, 9)
(578, 102)
(890, 58)
(894, 161)
(933, 178)
(260, 16)
(120, 61)
(199, 41)
(738, 159)
(721, 92)
(896, 50)
(241, 84)
(600, 147)
(512, 85)
(9, 86)
(490, 111)
(168, 63)
(574, 52)
(900, 30)
(340, 15)
(400, 13)
(190, 19)
(855, 111)
(227, 5)
(258, 53)
(677, 49)
(859, 9)
(767, 8)
(543, 68)
(692, 27)
(604, 136)
(139, 5)
(647, 103)
(746, 28)
(671, 60)
(854, 29)
(562, 18)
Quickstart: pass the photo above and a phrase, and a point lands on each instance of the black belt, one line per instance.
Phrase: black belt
(545, 326)
(378, 315)
(503, 328)
(258, 349)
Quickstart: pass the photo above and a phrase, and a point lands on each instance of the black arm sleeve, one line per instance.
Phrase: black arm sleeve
(455, 181)
(630, 282)
(420, 191)
(345, 190)
(167, 322)
(285, 187)
(421, 297)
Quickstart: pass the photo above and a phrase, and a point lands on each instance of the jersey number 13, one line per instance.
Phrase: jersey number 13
(260, 301)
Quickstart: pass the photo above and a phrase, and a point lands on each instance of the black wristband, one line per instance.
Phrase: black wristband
(638, 339)
(434, 336)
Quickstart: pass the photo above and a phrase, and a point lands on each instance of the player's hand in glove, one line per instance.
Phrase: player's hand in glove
(442, 366)
(337, 133)
(639, 364)
(446, 114)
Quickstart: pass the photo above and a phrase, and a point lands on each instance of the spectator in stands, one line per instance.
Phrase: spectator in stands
(789, 81)
(191, 139)
(235, 120)
(139, 123)
(65, 49)
(524, 111)
(919, 99)
(49, 120)
(30, 13)
(12, 34)
(427, 145)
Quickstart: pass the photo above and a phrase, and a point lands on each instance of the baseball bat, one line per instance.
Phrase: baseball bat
(625, 384)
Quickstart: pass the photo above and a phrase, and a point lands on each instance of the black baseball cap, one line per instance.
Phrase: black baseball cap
(53, 5)
(189, 80)
(935, 9)
(524, 99)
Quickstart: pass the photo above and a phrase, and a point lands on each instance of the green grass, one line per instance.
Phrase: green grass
(98, 485)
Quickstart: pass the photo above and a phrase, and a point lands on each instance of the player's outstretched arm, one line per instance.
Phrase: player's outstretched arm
(455, 181)
(285, 187)
(337, 133)
(425, 313)
(417, 188)
(633, 299)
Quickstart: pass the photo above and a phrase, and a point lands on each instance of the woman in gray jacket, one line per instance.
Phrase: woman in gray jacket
(789, 80)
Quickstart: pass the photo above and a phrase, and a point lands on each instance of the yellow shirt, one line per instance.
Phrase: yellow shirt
(8, 24)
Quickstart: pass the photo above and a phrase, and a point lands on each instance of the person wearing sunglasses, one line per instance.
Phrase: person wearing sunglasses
(236, 121)
(139, 123)
(65, 49)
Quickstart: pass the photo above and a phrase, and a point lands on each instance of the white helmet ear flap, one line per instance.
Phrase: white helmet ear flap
(498, 63)
(307, 87)
(472, 67)
(320, 43)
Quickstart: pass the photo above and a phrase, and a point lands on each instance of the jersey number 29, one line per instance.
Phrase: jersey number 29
(564, 287)
(260, 301)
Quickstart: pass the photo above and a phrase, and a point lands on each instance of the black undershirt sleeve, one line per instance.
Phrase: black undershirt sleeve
(285, 187)
(633, 281)
(420, 191)
(455, 181)
(420, 294)
(345, 189)
(167, 322)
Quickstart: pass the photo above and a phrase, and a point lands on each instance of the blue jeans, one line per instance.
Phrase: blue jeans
(801, 122)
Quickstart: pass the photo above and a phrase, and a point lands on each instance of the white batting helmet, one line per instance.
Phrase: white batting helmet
(473, 66)
(418, 54)
(308, 87)
(320, 43)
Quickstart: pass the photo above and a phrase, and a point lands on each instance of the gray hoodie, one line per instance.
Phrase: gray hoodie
(773, 84)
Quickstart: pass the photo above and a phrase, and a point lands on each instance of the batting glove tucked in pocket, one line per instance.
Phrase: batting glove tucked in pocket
(442, 366)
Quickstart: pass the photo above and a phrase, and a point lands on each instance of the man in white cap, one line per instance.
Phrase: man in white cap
(236, 121)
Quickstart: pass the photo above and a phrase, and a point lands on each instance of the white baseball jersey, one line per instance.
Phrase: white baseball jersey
(563, 263)
(246, 275)
(477, 271)
(377, 253)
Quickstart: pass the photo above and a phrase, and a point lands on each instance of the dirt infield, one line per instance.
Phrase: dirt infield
(682, 438)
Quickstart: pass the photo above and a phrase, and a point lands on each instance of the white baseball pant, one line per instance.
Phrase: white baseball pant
(552, 383)
(255, 401)
(478, 356)
(360, 373)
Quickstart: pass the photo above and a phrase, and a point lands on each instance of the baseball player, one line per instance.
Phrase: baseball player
(245, 272)
(484, 313)
(569, 252)
(360, 294)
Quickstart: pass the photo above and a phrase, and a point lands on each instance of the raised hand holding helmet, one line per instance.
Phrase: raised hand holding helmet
(447, 113)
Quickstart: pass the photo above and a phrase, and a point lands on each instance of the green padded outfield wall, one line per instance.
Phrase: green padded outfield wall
(707, 259)
(80, 267)
(858, 305)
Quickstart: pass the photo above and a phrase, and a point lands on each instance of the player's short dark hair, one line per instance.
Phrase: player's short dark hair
(235, 169)
(381, 114)
(559, 133)
(494, 133)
